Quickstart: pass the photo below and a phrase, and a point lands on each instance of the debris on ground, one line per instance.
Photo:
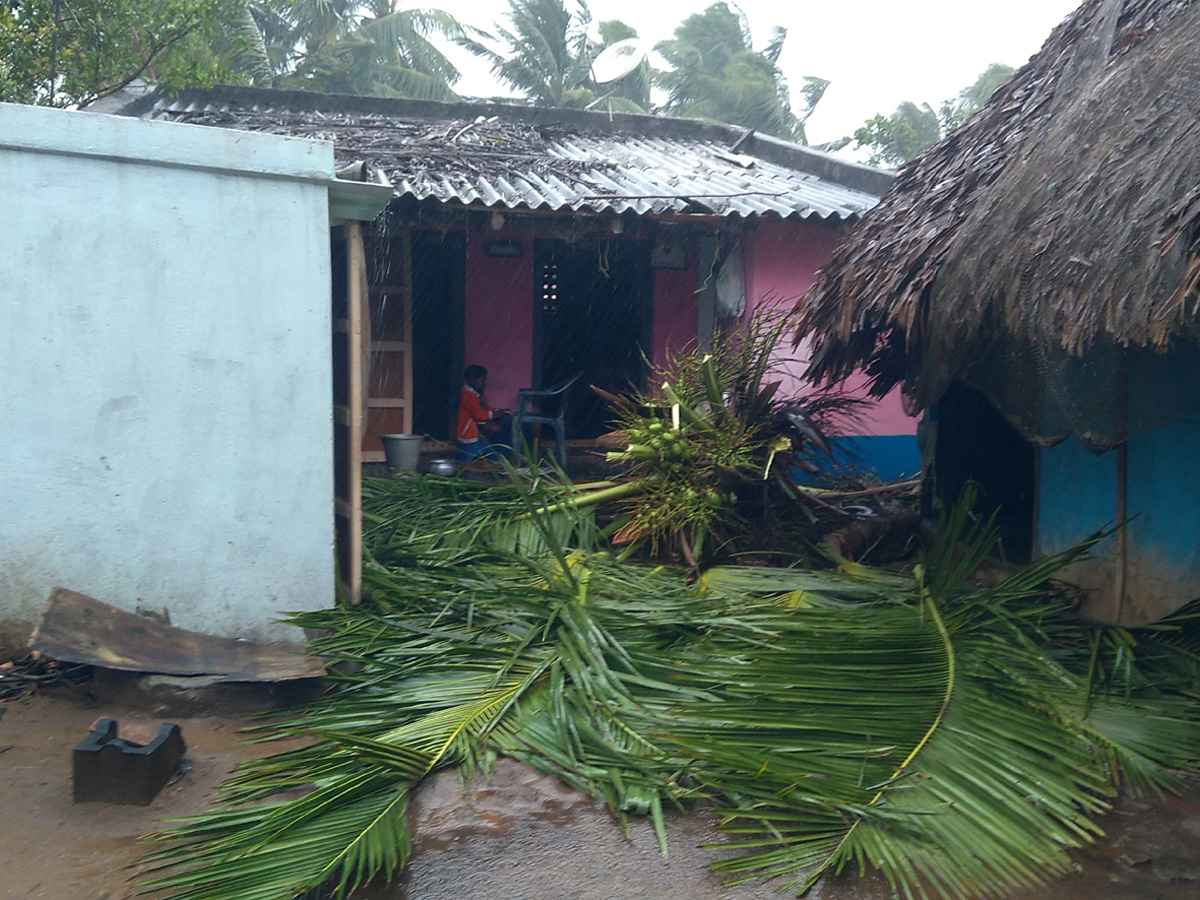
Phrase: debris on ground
(77, 628)
(36, 669)
(829, 716)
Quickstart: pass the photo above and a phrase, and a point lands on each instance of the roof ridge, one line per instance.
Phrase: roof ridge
(771, 149)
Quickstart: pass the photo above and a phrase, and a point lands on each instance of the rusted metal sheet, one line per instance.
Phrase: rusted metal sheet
(77, 628)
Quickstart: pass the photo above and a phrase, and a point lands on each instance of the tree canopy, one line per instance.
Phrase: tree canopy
(73, 52)
(376, 48)
(717, 74)
(545, 53)
(59, 53)
(63, 53)
(900, 137)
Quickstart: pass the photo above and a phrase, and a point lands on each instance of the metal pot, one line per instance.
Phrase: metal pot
(447, 468)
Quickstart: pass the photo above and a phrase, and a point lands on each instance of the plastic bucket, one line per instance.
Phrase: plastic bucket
(402, 450)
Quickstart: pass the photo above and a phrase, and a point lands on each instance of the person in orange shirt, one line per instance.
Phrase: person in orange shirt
(476, 421)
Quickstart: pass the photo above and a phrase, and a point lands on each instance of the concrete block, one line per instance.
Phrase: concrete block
(111, 770)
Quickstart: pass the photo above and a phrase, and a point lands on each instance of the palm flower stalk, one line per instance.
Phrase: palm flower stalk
(715, 440)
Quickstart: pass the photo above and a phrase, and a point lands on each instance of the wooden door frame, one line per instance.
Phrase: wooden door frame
(401, 288)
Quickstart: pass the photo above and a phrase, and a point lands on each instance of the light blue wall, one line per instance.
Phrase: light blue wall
(166, 372)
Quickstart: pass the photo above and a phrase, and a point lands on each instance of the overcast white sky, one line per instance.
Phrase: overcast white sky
(876, 53)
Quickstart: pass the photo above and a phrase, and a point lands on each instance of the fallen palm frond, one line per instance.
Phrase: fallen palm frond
(408, 511)
(959, 740)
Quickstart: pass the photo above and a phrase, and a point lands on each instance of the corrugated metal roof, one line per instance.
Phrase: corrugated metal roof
(518, 159)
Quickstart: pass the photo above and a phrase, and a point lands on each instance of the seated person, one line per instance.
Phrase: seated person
(478, 425)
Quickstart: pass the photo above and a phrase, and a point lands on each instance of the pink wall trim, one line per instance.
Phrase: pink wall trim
(781, 261)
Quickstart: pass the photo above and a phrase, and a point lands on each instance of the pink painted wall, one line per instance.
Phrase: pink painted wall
(674, 311)
(781, 261)
(499, 313)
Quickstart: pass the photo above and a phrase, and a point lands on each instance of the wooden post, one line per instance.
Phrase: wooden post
(351, 328)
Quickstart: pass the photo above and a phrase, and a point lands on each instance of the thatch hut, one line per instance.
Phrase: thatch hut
(1033, 282)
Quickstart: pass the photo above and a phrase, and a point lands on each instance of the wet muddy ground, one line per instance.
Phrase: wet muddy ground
(522, 836)
(514, 836)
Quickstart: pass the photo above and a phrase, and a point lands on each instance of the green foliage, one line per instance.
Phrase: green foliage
(374, 48)
(716, 74)
(972, 98)
(902, 136)
(955, 738)
(544, 53)
(59, 53)
(701, 436)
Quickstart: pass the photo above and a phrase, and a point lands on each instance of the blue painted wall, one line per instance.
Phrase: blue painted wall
(892, 457)
(1078, 495)
(1163, 495)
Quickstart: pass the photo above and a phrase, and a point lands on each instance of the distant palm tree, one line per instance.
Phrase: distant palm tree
(544, 53)
(716, 74)
(906, 133)
(375, 48)
(972, 98)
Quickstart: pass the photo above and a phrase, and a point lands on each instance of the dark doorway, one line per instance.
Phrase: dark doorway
(592, 314)
(439, 262)
(976, 443)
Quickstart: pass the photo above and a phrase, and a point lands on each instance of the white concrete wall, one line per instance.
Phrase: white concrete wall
(165, 372)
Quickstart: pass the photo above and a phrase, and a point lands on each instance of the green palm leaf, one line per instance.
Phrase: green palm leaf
(960, 740)
(344, 846)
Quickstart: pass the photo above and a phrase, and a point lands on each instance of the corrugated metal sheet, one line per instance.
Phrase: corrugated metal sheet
(512, 165)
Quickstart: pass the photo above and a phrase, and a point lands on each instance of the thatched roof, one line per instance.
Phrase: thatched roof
(1064, 216)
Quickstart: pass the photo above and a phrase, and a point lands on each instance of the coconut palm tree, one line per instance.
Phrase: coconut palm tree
(543, 53)
(377, 48)
(716, 74)
(972, 98)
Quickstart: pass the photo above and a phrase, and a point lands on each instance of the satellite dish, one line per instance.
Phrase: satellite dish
(617, 60)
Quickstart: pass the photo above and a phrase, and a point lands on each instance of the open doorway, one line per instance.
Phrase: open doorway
(976, 443)
(439, 261)
(592, 315)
